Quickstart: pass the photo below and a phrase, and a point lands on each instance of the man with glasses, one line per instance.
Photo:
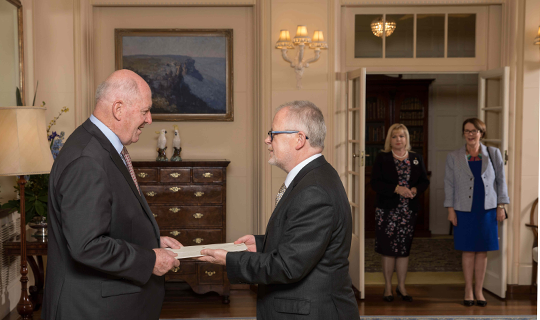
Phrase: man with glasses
(301, 264)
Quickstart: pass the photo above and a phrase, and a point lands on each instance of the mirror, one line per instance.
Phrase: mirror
(11, 52)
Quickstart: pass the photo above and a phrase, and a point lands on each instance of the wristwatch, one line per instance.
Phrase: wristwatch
(500, 206)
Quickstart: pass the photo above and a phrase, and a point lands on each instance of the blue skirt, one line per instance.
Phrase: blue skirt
(476, 231)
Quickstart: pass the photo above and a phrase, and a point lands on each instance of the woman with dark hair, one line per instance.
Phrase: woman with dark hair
(398, 176)
(475, 194)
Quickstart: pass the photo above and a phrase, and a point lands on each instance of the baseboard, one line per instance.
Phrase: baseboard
(512, 289)
(238, 286)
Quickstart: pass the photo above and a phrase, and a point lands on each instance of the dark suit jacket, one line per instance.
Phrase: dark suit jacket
(384, 179)
(301, 264)
(101, 235)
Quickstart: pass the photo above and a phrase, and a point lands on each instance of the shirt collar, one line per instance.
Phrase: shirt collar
(292, 174)
(113, 138)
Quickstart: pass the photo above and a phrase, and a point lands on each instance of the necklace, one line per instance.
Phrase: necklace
(400, 157)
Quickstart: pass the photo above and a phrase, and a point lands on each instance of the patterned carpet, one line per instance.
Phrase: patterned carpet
(427, 255)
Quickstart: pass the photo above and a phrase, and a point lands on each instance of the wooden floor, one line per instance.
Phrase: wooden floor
(428, 300)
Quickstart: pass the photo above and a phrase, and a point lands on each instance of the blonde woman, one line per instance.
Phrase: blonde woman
(398, 177)
(475, 195)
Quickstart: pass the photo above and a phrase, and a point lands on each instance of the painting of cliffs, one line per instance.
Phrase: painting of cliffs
(187, 75)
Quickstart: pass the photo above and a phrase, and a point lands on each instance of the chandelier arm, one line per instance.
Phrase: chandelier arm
(285, 57)
(315, 58)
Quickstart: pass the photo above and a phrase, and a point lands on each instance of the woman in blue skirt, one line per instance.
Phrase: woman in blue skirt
(475, 195)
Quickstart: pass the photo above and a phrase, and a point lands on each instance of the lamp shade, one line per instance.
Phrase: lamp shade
(537, 39)
(23, 142)
(301, 35)
(317, 42)
(284, 41)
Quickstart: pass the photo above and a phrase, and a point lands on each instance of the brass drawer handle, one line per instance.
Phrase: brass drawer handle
(142, 175)
(175, 189)
(151, 193)
(175, 210)
(210, 273)
(175, 269)
(198, 194)
(198, 240)
(155, 215)
(175, 174)
(207, 175)
(197, 215)
(175, 233)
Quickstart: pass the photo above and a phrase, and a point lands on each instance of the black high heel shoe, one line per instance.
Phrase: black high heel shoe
(407, 298)
(468, 303)
(389, 298)
(481, 303)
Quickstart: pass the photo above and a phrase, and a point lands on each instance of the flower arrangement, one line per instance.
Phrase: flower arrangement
(36, 191)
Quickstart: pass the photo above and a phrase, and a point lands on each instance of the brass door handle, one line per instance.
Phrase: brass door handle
(142, 175)
(354, 155)
(175, 174)
(151, 193)
(210, 273)
(207, 175)
(197, 215)
(198, 240)
(175, 269)
(175, 210)
(175, 189)
(198, 194)
(175, 233)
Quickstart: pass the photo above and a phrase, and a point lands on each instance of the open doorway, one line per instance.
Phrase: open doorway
(432, 106)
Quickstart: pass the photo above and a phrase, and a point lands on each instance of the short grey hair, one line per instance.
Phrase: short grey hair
(306, 117)
(125, 89)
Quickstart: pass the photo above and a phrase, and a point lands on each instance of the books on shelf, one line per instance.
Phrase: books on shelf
(375, 133)
(374, 109)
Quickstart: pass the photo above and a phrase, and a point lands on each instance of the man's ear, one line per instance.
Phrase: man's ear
(118, 109)
(301, 141)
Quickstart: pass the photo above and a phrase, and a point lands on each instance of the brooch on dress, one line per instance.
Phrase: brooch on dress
(415, 162)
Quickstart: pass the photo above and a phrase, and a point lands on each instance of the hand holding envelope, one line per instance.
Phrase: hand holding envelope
(195, 251)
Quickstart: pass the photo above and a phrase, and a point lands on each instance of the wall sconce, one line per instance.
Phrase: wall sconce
(284, 43)
(537, 39)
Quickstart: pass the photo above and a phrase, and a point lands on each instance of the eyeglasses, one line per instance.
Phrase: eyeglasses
(473, 132)
(273, 133)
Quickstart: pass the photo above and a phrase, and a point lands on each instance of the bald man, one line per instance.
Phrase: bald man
(106, 258)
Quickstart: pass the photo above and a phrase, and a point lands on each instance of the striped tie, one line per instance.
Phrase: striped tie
(126, 156)
(280, 193)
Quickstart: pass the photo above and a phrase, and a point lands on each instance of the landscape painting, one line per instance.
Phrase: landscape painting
(189, 71)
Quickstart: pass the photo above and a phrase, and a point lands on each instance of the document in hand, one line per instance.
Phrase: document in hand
(195, 251)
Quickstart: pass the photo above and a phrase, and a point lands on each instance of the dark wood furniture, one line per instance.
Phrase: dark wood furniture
(188, 200)
(392, 100)
(35, 248)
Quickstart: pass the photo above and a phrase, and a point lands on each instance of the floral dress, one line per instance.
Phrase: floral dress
(395, 227)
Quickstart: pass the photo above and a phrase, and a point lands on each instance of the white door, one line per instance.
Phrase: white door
(493, 99)
(356, 110)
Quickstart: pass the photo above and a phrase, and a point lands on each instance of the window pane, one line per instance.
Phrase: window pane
(366, 44)
(400, 43)
(430, 36)
(461, 35)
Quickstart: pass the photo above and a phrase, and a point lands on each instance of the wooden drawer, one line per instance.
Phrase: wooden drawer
(210, 274)
(185, 268)
(146, 175)
(208, 175)
(175, 175)
(195, 194)
(193, 237)
(186, 217)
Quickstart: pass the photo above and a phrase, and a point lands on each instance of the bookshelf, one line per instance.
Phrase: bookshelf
(392, 100)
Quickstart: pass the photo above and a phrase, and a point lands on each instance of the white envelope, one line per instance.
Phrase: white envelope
(195, 251)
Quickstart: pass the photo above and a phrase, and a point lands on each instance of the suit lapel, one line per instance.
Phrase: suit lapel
(115, 157)
(310, 166)
(485, 157)
(462, 162)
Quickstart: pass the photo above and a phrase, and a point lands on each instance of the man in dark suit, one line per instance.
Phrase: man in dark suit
(105, 254)
(301, 265)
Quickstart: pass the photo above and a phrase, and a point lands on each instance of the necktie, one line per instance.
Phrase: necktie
(126, 156)
(280, 193)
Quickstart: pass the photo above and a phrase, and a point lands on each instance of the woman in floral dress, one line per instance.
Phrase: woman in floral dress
(398, 177)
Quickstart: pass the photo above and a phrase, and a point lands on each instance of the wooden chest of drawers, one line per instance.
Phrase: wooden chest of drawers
(187, 199)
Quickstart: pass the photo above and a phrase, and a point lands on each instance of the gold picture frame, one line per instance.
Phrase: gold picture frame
(190, 71)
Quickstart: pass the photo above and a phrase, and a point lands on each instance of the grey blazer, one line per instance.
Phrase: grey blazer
(459, 180)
